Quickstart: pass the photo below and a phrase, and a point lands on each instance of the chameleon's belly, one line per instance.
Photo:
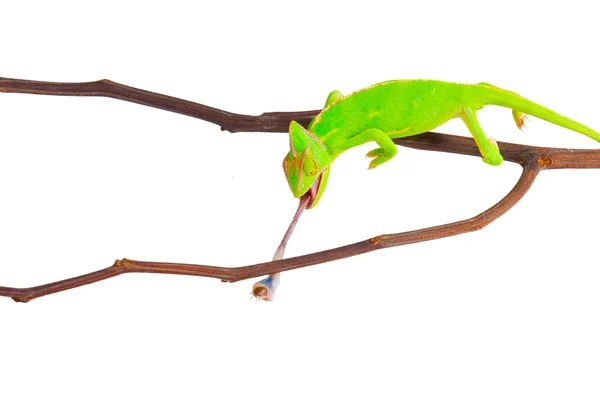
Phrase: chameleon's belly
(399, 108)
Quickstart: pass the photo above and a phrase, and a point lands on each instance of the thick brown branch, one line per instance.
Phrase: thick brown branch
(532, 159)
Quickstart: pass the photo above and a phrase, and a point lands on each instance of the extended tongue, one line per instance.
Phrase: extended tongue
(265, 288)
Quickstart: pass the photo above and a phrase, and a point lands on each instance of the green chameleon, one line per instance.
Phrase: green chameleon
(393, 109)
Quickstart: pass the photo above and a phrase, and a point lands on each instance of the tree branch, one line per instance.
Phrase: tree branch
(233, 122)
(532, 159)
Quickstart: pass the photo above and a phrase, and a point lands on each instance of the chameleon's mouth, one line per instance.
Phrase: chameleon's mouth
(313, 191)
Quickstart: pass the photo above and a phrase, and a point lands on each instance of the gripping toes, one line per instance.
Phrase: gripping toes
(493, 156)
(387, 149)
(520, 118)
(379, 156)
(488, 147)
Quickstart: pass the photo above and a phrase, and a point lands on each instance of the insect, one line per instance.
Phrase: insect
(387, 110)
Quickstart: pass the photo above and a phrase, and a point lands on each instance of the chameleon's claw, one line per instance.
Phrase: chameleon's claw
(374, 153)
(494, 157)
(520, 119)
(379, 156)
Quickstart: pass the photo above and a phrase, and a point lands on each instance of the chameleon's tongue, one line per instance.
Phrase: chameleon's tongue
(312, 192)
(265, 288)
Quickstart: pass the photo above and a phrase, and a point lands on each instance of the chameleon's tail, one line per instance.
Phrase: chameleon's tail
(522, 107)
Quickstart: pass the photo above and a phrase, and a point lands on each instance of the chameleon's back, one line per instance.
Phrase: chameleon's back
(397, 107)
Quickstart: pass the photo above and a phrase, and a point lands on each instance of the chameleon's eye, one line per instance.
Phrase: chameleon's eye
(310, 167)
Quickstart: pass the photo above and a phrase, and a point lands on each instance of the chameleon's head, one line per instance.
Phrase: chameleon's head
(306, 166)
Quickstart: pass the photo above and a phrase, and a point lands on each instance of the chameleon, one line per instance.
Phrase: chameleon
(394, 109)
(379, 113)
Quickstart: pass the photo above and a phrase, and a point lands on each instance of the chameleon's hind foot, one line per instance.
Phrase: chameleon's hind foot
(520, 118)
(379, 156)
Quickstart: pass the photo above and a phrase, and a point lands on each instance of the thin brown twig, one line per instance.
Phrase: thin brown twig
(271, 122)
(532, 159)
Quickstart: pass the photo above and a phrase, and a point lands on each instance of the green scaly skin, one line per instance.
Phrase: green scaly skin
(393, 109)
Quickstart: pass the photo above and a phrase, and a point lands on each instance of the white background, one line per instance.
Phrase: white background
(511, 310)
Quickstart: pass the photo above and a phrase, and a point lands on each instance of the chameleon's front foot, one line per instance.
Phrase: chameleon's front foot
(265, 288)
(387, 148)
(380, 156)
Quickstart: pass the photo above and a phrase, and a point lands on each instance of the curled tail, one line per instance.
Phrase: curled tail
(521, 107)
